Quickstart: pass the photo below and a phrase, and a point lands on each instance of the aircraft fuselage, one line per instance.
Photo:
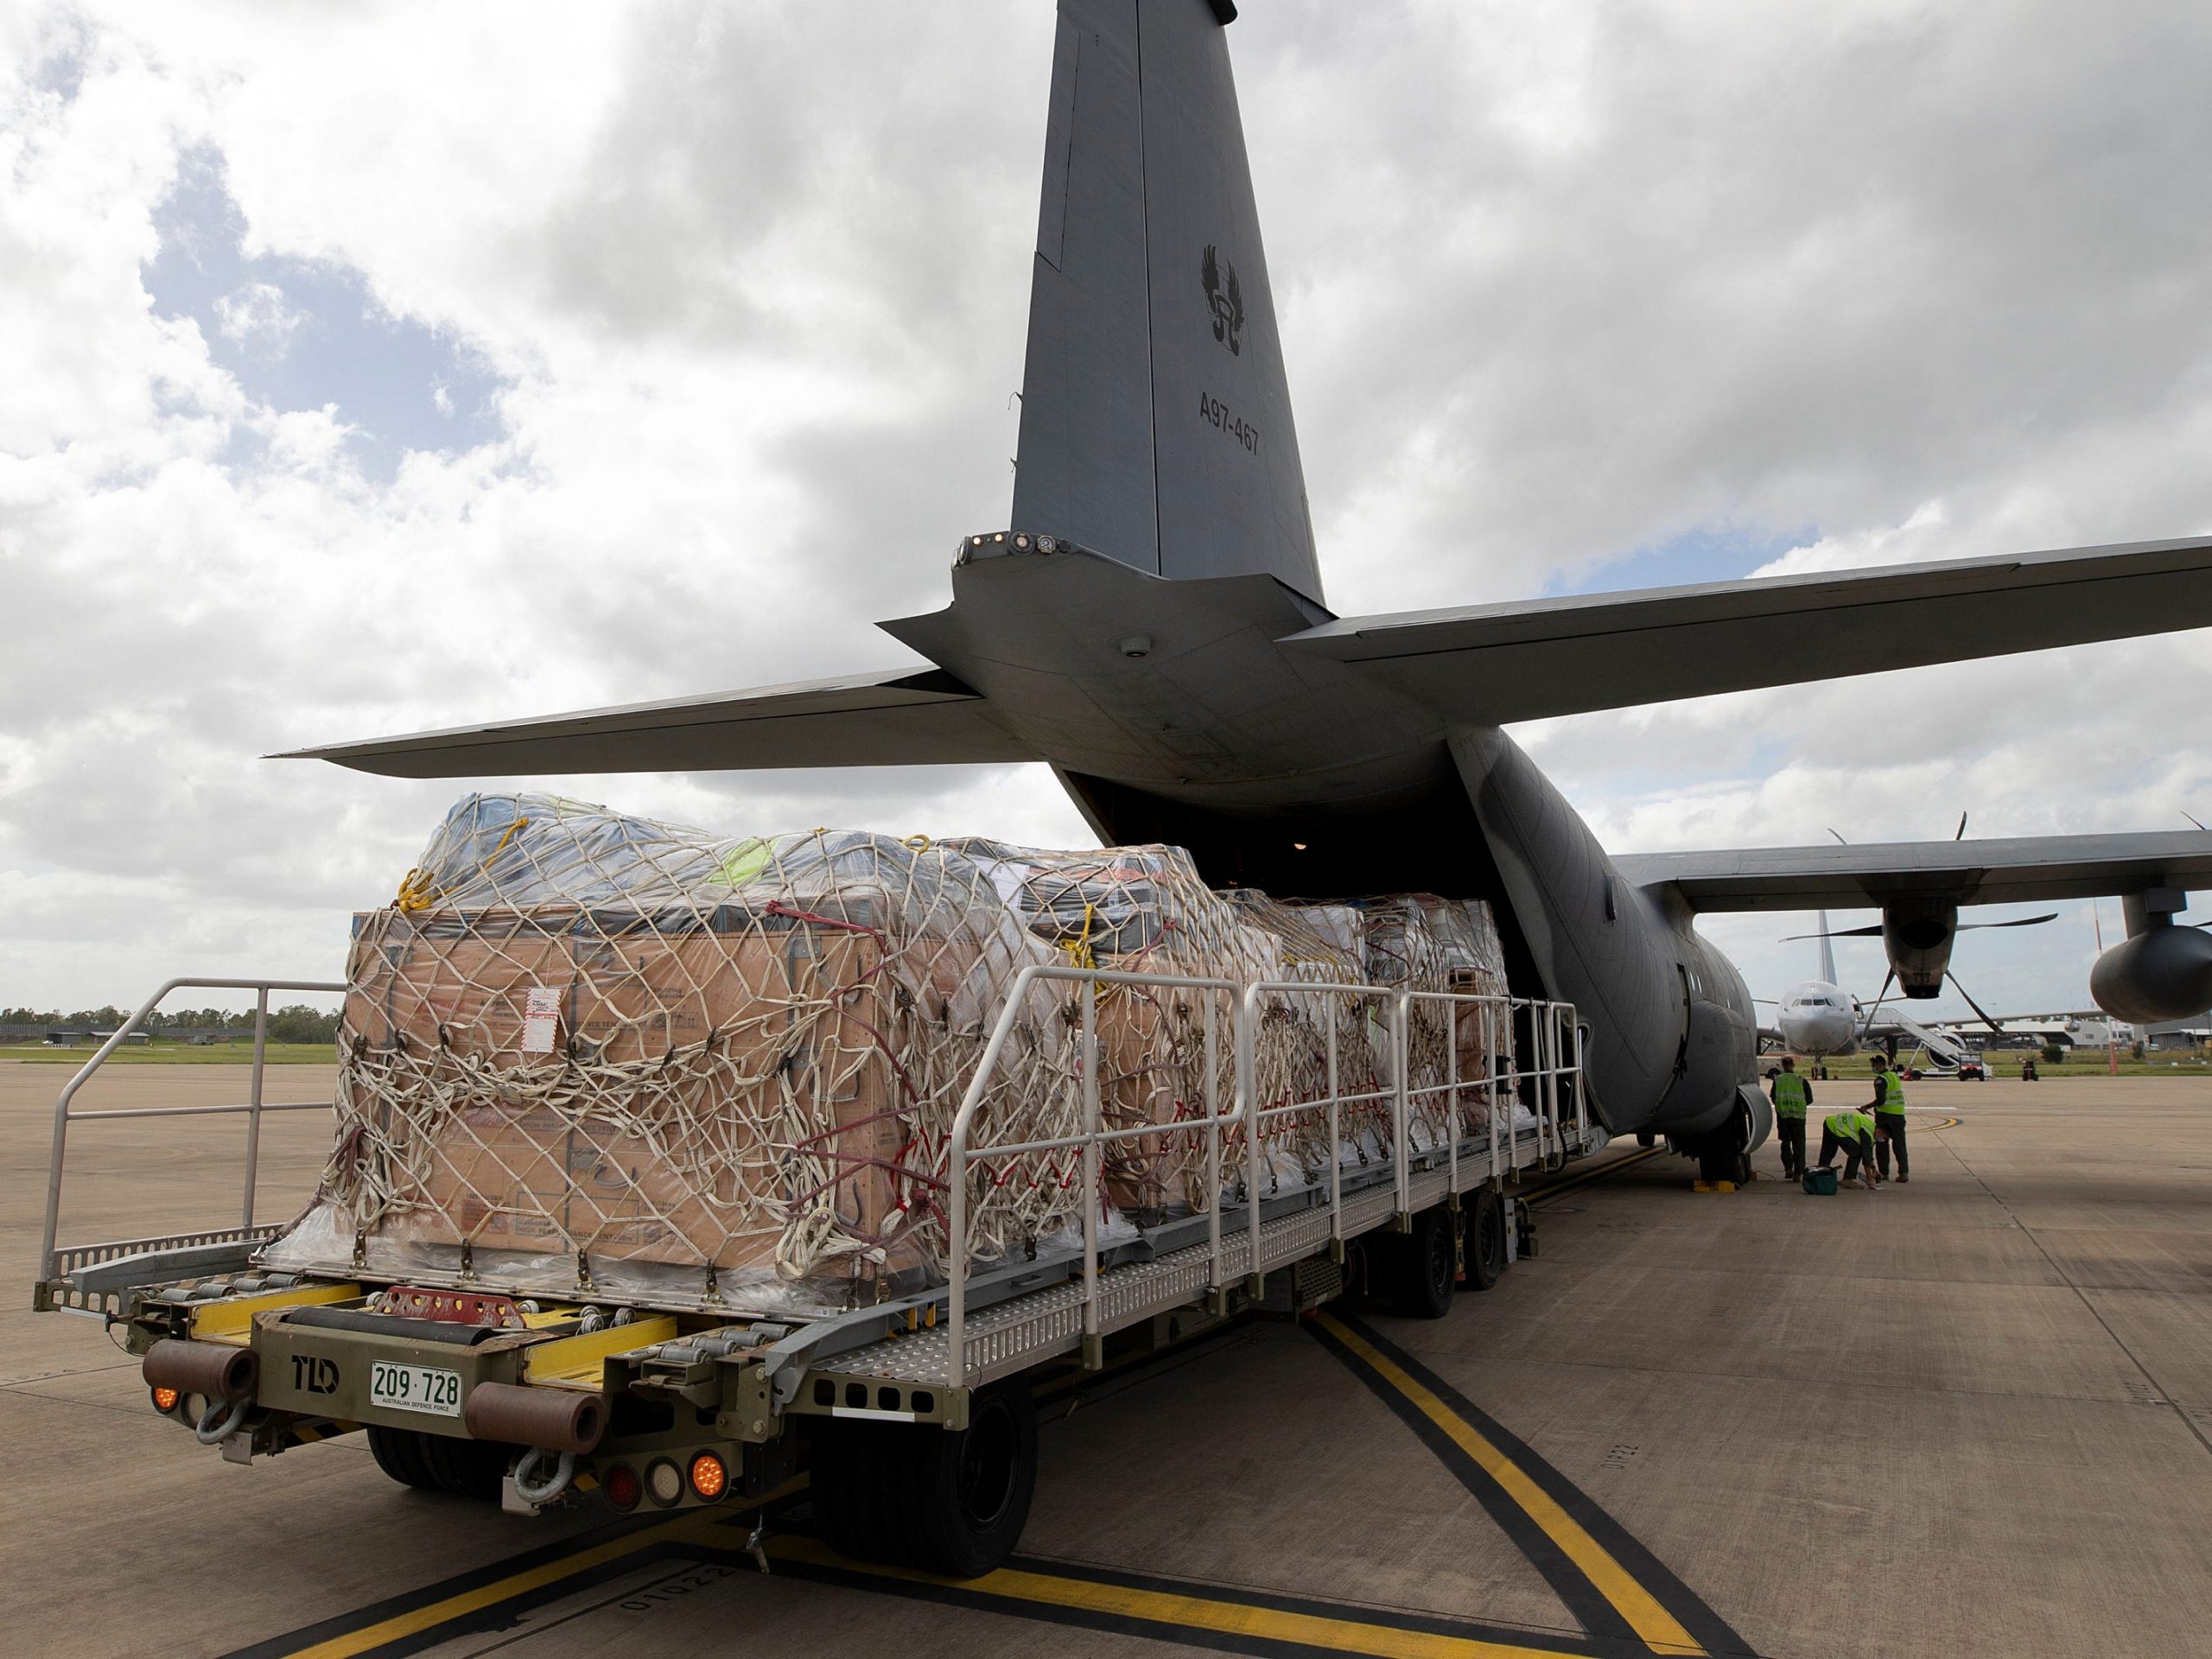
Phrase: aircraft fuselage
(1174, 715)
(1818, 1018)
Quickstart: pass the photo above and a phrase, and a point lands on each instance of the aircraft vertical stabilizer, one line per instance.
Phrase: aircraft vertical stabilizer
(1155, 419)
(1828, 952)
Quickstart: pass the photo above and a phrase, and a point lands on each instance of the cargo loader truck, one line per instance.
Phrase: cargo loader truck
(911, 1417)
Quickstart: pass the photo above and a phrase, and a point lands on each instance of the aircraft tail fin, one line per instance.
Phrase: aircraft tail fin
(1155, 418)
(1828, 952)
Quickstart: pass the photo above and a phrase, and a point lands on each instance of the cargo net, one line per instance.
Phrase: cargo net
(583, 1051)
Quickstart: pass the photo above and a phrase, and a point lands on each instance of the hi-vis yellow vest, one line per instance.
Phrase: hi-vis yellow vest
(1848, 1126)
(1892, 1093)
(1791, 1095)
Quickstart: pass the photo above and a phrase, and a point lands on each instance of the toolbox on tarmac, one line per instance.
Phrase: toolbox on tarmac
(1819, 1180)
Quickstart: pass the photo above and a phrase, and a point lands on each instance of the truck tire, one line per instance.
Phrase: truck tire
(847, 1461)
(1486, 1260)
(1425, 1266)
(968, 1494)
(472, 1469)
(922, 1497)
(398, 1452)
(434, 1463)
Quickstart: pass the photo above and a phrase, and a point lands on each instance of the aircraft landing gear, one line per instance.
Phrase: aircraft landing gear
(1725, 1154)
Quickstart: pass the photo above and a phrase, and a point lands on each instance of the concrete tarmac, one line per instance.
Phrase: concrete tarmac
(1970, 1415)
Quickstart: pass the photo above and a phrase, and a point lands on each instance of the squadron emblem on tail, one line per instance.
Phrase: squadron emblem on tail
(1226, 297)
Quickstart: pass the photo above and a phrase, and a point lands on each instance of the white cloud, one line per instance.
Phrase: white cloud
(1559, 283)
(257, 317)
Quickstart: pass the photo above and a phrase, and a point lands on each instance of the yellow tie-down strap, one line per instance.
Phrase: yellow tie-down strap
(231, 1321)
(578, 1362)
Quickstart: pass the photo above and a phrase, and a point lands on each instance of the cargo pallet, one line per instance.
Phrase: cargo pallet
(914, 1413)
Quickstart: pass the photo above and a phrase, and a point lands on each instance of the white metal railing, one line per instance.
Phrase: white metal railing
(1094, 1136)
(1551, 1074)
(253, 1107)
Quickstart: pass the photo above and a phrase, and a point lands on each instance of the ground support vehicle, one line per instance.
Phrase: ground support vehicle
(912, 1415)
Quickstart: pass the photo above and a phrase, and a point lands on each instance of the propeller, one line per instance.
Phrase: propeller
(1994, 1027)
(1962, 835)
(1868, 1024)
(1875, 931)
(2186, 813)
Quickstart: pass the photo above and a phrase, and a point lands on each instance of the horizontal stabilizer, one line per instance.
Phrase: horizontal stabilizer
(1494, 664)
(899, 717)
(1993, 871)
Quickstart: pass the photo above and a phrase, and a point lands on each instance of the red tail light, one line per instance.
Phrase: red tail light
(623, 1487)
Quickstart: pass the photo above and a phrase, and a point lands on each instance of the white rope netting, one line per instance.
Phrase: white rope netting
(578, 1038)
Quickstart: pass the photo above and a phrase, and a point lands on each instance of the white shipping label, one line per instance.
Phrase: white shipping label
(541, 1013)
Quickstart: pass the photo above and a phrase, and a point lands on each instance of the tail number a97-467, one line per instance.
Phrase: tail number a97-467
(1215, 413)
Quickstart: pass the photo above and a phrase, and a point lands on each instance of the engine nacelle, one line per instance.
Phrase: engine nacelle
(1919, 933)
(2163, 973)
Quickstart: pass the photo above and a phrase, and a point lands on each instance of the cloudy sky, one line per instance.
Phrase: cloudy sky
(370, 369)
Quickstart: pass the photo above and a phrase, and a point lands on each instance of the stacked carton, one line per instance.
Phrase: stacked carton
(579, 1044)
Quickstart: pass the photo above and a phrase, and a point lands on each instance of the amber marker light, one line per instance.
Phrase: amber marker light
(622, 1486)
(165, 1399)
(709, 1478)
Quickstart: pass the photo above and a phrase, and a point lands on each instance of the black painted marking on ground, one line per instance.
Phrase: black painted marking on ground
(811, 1563)
(1713, 1631)
(1582, 1600)
(408, 1601)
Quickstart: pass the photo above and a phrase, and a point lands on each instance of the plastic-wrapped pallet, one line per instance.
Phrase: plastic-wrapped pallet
(591, 1048)
(1145, 910)
(587, 1050)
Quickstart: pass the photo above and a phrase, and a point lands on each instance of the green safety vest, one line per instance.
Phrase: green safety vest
(1848, 1126)
(1892, 1094)
(1791, 1095)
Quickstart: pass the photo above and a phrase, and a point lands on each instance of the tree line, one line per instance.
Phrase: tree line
(297, 1023)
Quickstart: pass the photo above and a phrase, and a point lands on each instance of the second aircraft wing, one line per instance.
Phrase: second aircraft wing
(1490, 665)
(1987, 872)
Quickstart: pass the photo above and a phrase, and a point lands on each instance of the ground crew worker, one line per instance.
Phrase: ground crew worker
(1792, 1095)
(1888, 1108)
(1852, 1133)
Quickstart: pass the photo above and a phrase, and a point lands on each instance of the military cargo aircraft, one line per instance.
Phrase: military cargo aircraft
(1153, 625)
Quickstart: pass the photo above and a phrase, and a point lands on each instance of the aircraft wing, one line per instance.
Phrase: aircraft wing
(901, 717)
(1986, 872)
(1490, 665)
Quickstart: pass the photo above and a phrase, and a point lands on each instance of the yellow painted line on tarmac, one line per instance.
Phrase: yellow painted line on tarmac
(1658, 1629)
(428, 1616)
(1184, 1612)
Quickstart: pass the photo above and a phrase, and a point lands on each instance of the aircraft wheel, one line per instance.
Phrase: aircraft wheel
(1425, 1267)
(1486, 1240)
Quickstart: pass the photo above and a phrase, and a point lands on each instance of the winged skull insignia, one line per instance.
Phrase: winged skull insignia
(1227, 299)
